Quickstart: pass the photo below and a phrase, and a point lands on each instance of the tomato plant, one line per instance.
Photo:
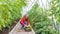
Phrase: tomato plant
(10, 10)
(42, 20)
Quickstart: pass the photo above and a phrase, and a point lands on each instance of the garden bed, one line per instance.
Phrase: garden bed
(7, 30)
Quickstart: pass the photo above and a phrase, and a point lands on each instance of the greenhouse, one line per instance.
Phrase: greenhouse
(29, 16)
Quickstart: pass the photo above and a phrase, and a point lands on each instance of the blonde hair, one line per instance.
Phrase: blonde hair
(24, 14)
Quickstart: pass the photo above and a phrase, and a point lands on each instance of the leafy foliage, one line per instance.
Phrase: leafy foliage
(41, 21)
(55, 9)
(10, 10)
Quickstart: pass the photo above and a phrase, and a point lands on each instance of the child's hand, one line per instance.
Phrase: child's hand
(25, 26)
(28, 24)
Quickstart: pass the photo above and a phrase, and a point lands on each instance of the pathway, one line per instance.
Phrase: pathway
(16, 28)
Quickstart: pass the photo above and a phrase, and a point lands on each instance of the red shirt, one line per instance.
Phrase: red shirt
(22, 21)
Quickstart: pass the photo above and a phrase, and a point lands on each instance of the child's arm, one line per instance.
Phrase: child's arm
(28, 21)
(22, 22)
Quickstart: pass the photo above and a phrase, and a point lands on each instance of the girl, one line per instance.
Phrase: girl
(24, 22)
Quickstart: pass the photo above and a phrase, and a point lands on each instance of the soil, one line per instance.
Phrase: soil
(7, 30)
